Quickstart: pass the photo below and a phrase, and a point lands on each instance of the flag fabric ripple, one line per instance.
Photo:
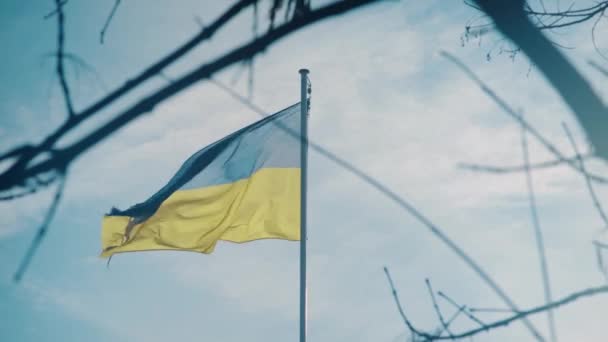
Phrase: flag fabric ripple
(241, 188)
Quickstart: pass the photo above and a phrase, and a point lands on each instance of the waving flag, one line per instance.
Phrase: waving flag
(243, 187)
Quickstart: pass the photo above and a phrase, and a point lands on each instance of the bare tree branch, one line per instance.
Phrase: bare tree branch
(16, 152)
(510, 19)
(599, 68)
(60, 71)
(519, 315)
(27, 258)
(596, 201)
(491, 310)
(456, 315)
(68, 154)
(398, 303)
(513, 114)
(38, 183)
(593, 39)
(53, 12)
(538, 235)
(533, 166)
(463, 307)
(108, 20)
(565, 18)
(599, 249)
(553, 305)
(250, 62)
(437, 310)
(542, 19)
(23, 193)
(10, 177)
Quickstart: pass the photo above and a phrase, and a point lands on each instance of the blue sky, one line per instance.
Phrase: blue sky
(382, 98)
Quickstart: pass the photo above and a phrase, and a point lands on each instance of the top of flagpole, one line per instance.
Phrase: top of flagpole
(305, 81)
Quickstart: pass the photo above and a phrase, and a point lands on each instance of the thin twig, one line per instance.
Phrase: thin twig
(53, 12)
(288, 10)
(533, 166)
(397, 302)
(436, 307)
(593, 40)
(16, 152)
(39, 183)
(599, 248)
(491, 310)
(465, 311)
(81, 63)
(27, 258)
(592, 194)
(108, 20)
(456, 315)
(577, 93)
(538, 235)
(599, 68)
(23, 193)
(511, 112)
(490, 326)
(60, 71)
(521, 314)
(581, 12)
(251, 62)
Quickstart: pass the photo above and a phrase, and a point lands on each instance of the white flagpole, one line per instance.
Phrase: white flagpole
(303, 175)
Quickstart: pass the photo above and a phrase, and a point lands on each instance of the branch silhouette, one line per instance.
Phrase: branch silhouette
(546, 20)
(102, 34)
(39, 183)
(535, 166)
(486, 327)
(22, 169)
(56, 10)
(538, 235)
(599, 250)
(598, 67)
(514, 115)
(550, 304)
(510, 18)
(591, 191)
(14, 176)
(60, 71)
(444, 324)
(42, 230)
(464, 308)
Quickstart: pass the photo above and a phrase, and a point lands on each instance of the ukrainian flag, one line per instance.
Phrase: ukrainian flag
(241, 188)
